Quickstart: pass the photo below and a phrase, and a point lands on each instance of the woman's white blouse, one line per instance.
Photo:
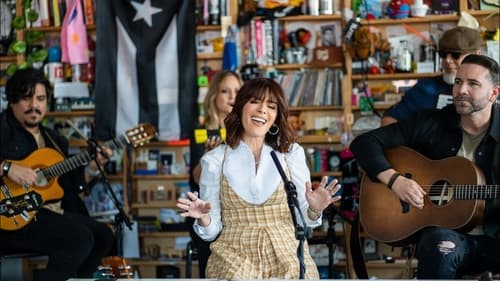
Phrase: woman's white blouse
(239, 170)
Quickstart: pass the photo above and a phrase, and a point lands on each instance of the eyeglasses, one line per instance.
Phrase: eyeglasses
(454, 55)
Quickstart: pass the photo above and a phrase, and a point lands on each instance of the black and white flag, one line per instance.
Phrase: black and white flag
(145, 67)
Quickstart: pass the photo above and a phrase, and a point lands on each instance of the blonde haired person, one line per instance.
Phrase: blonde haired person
(218, 102)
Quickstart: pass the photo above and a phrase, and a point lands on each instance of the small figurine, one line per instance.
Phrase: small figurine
(398, 9)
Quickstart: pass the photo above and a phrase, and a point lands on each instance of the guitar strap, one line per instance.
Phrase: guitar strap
(358, 258)
(53, 143)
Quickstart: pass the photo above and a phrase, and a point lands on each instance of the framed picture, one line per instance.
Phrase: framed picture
(167, 158)
(328, 35)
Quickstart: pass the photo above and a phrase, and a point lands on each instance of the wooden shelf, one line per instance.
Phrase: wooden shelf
(77, 143)
(78, 113)
(154, 205)
(177, 143)
(300, 66)
(384, 106)
(208, 28)
(161, 177)
(394, 76)
(209, 56)
(479, 13)
(54, 28)
(11, 59)
(427, 19)
(312, 18)
(164, 234)
(316, 108)
(330, 174)
(313, 139)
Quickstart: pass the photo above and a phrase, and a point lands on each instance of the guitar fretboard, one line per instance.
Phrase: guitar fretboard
(78, 160)
(465, 192)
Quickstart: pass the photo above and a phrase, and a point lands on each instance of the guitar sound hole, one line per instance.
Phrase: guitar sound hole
(440, 193)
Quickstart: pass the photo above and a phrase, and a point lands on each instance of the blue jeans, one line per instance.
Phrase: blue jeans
(446, 254)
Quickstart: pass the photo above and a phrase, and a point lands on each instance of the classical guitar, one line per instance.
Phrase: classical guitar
(19, 204)
(455, 197)
(114, 267)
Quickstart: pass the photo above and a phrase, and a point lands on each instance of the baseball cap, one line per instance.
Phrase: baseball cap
(460, 39)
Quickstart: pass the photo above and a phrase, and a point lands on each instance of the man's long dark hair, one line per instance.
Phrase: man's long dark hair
(23, 82)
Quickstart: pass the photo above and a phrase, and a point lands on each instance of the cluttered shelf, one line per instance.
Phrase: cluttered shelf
(54, 28)
(161, 177)
(171, 234)
(208, 28)
(76, 113)
(316, 108)
(209, 56)
(293, 66)
(318, 139)
(5, 59)
(312, 18)
(412, 20)
(394, 76)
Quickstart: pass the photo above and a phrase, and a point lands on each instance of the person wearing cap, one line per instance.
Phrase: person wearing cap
(435, 92)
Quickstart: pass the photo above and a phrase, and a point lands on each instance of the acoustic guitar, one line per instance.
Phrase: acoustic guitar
(455, 197)
(19, 204)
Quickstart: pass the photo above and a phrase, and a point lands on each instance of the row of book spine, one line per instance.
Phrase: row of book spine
(51, 12)
(262, 42)
(311, 87)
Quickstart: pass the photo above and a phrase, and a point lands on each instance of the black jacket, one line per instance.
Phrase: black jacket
(436, 134)
(16, 143)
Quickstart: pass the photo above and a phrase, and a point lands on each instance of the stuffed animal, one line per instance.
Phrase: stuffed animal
(362, 46)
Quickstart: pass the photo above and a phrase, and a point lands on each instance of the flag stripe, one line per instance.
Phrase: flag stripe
(156, 81)
(127, 111)
(168, 82)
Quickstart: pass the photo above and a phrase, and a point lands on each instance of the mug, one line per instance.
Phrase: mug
(54, 72)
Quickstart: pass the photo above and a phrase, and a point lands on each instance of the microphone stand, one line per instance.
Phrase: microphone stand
(331, 238)
(121, 217)
(302, 231)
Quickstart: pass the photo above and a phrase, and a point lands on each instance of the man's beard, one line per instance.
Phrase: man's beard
(31, 124)
(470, 107)
(449, 78)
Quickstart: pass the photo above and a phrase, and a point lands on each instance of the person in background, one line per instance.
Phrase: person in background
(469, 128)
(242, 199)
(219, 101)
(62, 230)
(435, 92)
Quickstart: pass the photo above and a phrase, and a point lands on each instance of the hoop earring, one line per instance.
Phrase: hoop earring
(275, 132)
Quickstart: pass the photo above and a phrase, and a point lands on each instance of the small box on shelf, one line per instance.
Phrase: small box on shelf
(156, 192)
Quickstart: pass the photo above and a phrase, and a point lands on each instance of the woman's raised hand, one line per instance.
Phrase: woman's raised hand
(322, 196)
(193, 206)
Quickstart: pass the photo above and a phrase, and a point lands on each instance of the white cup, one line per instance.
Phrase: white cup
(54, 72)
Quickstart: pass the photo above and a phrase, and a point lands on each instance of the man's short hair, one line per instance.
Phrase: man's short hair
(487, 63)
(460, 39)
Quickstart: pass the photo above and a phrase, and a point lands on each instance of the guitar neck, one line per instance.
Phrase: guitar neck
(78, 160)
(481, 192)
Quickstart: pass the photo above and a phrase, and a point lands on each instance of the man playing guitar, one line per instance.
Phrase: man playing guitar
(61, 229)
(469, 128)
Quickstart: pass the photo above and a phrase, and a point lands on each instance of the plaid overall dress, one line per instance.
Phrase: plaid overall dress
(257, 241)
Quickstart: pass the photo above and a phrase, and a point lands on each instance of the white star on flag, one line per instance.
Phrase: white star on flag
(145, 11)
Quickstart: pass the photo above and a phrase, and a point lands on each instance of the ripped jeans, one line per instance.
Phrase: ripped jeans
(446, 254)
